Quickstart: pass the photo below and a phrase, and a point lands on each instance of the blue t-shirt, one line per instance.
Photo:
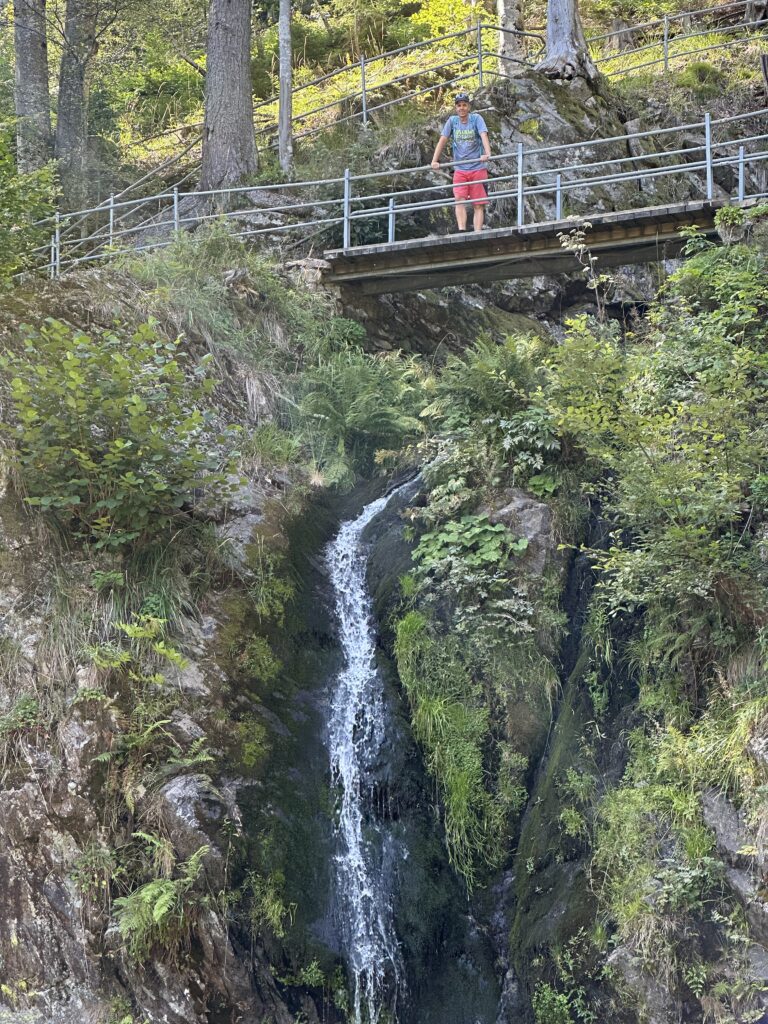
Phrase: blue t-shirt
(466, 142)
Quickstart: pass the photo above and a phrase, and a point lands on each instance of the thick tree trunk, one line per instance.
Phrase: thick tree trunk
(72, 109)
(567, 55)
(229, 146)
(285, 114)
(511, 47)
(34, 142)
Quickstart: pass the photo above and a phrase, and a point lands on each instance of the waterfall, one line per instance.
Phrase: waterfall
(357, 728)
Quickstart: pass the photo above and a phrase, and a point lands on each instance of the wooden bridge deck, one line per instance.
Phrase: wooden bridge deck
(627, 236)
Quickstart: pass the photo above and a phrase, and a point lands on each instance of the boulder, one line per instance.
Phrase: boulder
(748, 893)
(191, 811)
(731, 834)
(527, 517)
(653, 1001)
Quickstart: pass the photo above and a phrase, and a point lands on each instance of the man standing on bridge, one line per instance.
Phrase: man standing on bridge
(471, 151)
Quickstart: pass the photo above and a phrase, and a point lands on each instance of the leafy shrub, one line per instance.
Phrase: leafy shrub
(549, 1006)
(471, 539)
(110, 432)
(354, 404)
(24, 199)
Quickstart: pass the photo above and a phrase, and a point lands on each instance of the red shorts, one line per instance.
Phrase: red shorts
(469, 185)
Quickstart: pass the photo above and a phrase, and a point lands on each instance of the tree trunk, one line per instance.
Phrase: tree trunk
(34, 142)
(511, 47)
(229, 146)
(79, 46)
(567, 54)
(285, 114)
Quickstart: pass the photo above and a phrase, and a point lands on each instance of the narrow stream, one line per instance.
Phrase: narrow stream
(357, 731)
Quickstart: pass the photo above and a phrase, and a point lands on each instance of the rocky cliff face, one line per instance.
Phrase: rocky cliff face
(60, 722)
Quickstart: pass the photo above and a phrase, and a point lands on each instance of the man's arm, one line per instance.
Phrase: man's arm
(442, 142)
(486, 146)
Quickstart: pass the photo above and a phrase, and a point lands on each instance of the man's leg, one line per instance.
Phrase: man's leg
(461, 195)
(479, 197)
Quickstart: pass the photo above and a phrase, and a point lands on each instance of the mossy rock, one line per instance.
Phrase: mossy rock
(553, 897)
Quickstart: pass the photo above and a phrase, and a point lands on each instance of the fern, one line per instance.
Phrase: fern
(158, 917)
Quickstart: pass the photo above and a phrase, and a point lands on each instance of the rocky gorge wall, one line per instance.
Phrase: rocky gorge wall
(244, 773)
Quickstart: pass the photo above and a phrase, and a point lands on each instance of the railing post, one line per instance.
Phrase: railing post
(52, 263)
(111, 219)
(176, 221)
(57, 246)
(391, 220)
(559, 198)
(708, 153)
(365, 95)
(480, 55)
(666, 43)
(347, 209)
(520, 192)
(741, 174)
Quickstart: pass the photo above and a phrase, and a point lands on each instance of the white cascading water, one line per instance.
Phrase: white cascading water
(357, 724)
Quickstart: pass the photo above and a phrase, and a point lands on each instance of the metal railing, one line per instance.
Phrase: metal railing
(675, 37)
(540, 184)
(661, 43)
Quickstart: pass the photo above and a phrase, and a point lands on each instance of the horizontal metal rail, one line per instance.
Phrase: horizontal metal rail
(542, 173)
(529, 38)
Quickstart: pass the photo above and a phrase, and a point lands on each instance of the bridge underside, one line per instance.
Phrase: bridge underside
(630, 236)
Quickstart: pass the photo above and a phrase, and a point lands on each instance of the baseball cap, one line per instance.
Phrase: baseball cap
(461, 97)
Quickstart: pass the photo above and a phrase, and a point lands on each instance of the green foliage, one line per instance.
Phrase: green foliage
(271, 447)
(450, 721)
(269, 589)
(285, 327)
(679, 424)
(471, 539)
(110, 431)
(144, 751)
(267, 906)
(161, 913)
(550, 1006)
(94, 872)
(259, 661)
(20, 723)
(24, 200)
(254, 742)
(23, 716)
(354, 404)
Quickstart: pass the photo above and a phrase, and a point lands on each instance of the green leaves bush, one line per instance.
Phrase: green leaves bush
(24, 199)
(450, 720)
(111, 433)
(355, 404)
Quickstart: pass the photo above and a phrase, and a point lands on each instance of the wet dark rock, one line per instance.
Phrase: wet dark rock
(750, 894)
(731, 833)
(654, 1003)
(757, 972)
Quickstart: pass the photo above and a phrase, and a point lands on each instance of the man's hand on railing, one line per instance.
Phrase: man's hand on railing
(435, 165)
